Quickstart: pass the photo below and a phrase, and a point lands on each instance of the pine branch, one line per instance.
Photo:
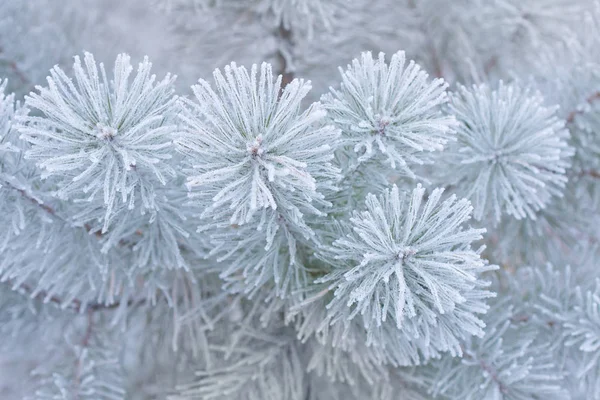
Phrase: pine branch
(512, 152)
(392, 270)
(89, 146)
(370, 108)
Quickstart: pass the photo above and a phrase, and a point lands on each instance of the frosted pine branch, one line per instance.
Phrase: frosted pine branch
(241, 242)
(409, 263)
(276, 154)
(390, 113)
(511, 155)
(100, 136)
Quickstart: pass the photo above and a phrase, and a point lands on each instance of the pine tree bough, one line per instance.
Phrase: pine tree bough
(372, 233)
(393, 265)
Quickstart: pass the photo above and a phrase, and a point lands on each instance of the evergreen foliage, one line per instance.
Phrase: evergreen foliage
(511, 155)
(417, 226)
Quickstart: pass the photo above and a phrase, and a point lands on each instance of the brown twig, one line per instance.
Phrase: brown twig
(285, 37)
(489, 369)
(591, 173)
(32, 199)
(88, 331)
(492, 373)
(490, 64)
(16, 70)
(49, 210)
(437, 64)
(589, 100)
(84, 343)
(75, 305)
